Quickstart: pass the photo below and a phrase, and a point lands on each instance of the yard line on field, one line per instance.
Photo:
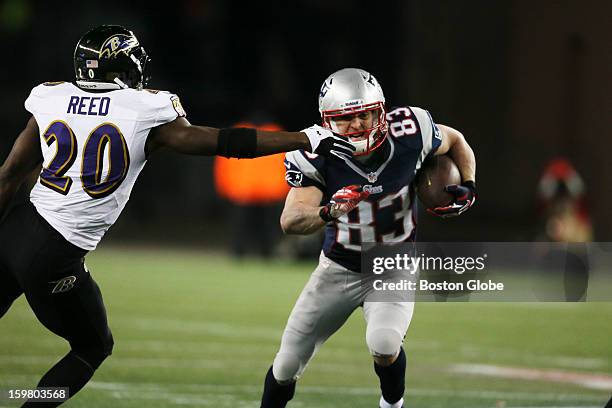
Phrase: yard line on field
(148, 387)
(237, 332)
(204, 327)
(558, 361)
(169, 363)
(40, 341)
(205, 346)
(225, 400)
(563, 406)
(593, 381)
(363, 391)
(169, 391)
(588, 380)
(539, 305)
(27, 359)
(130, 362)
(225, 329)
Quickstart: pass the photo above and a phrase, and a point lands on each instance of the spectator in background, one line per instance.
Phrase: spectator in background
(565, 219)
(562, 204)
(256, 188)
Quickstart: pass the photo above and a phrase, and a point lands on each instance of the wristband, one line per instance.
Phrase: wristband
(237, 142)
(470, 184)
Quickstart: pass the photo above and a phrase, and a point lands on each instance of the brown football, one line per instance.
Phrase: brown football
(436, 173)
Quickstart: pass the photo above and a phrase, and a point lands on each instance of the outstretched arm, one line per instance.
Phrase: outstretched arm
(183, 137)
(23, 158)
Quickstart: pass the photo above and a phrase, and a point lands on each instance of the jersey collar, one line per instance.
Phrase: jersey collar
(97, 86)
(372, 176)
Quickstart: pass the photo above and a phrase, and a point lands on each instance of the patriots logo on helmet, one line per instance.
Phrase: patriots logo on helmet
(369, 79)
(325, 87)
(116, 44)
(294, 178)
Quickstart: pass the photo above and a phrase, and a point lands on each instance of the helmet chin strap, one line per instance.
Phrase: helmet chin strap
(135, 61)
(120, 83)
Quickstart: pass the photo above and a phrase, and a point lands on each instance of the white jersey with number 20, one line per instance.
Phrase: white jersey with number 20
(93, 147)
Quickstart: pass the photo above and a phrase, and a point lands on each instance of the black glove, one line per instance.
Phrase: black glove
(465, 197)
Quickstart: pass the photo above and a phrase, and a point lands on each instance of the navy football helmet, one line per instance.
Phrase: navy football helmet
(110, 57)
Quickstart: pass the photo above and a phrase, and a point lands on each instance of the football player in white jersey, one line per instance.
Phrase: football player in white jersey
(93, 138)
(368, 198)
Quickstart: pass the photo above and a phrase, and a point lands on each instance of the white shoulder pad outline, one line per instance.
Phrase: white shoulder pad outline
(40, 91)
(429, 132)
(166, 104)
(297, 159)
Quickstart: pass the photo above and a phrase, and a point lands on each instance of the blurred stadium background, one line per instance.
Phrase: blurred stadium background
(524, 81)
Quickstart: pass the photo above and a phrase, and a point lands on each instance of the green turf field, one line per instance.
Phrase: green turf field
(194, 329)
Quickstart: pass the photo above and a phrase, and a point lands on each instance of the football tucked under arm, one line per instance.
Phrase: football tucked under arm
(454, 188)
(464, 197)
(440, 188)
(432, 178)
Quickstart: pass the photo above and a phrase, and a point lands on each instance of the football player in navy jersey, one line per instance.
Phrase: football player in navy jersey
(368, 198)
(93, 138)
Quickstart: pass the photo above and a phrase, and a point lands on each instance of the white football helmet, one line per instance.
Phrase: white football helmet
(351, 91)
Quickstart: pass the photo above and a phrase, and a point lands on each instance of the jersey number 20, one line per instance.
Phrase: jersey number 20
(105, 137)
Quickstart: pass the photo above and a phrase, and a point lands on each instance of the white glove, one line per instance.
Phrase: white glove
(324, 142)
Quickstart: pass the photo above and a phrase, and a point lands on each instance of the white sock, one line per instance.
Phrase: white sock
(385, 404)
